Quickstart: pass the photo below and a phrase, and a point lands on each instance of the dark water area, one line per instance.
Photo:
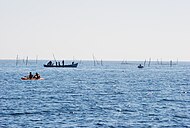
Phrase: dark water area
(114, 95)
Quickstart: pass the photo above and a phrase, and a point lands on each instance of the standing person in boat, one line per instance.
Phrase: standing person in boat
(30, 75)
(63, 62)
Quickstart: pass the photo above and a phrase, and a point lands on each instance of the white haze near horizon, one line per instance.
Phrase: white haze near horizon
(109, 29)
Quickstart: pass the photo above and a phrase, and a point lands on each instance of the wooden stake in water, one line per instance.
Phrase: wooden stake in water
(149, 62)
(94, 59)
(23, 61)
(144, 62)
(16, 60)
(101, 63)
(161, 62)
(157, 61)
(170, 63)
(26, 60)
(36, 59)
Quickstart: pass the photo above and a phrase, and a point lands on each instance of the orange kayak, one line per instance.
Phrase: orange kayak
(26, 78)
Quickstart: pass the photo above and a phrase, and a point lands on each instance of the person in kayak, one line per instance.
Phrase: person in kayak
(37, 76)
(30, 75)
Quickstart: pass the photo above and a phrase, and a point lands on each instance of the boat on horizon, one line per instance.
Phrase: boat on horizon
(50, 64)
(140, 66)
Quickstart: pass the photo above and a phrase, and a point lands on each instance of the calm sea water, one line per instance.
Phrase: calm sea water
(108, 96)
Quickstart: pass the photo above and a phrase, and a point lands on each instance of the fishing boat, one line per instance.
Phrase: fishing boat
(50, 64)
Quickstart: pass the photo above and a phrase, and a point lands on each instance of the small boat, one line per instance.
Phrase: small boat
(140, 66)
(32, 77)
(27, 78)
(50, 64)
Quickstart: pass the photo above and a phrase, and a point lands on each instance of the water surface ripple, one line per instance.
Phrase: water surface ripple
(108, 96)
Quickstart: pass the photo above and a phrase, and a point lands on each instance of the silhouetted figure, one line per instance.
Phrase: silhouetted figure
(63, 62)
(49, 63)
(56, 63)
(59, 64)
(30, 75)
(37, 76)
(72, 63)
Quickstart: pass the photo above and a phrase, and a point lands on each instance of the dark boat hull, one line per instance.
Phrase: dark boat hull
(140, 66)
(62, 66)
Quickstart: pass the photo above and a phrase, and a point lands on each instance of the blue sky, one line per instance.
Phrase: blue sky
(109, 29)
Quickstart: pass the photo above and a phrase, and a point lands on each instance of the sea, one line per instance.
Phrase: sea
(95, 95)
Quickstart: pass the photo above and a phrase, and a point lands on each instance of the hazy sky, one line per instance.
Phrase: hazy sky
(109, 29)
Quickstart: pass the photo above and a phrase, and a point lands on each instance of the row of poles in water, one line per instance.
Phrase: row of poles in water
(25, 61)
(158, 62)
(96, 62)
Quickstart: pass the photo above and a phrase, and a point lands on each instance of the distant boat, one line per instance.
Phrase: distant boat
(140, 66)
(50, 64)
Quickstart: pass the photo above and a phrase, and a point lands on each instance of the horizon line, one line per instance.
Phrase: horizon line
(163, 60)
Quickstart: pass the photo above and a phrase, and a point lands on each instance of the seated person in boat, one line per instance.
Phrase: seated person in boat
(30, 75)
(36, 76)
(49, 63)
